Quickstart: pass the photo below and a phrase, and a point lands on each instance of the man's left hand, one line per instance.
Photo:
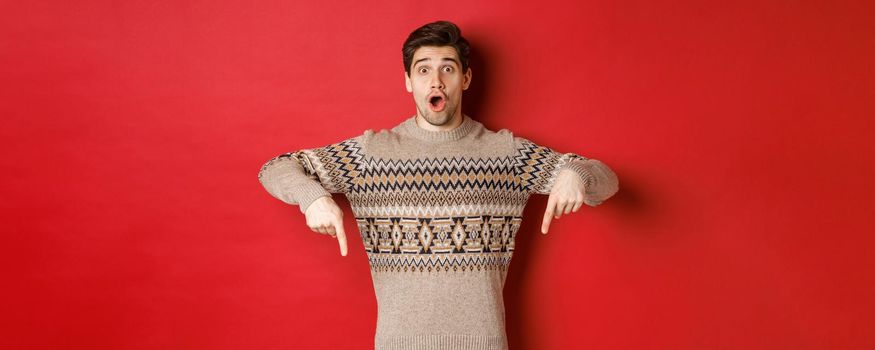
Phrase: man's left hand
(566, 196)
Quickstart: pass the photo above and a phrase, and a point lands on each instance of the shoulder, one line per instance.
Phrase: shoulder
(376, 142)
(380, 136)
(514, 141)
(507, 137)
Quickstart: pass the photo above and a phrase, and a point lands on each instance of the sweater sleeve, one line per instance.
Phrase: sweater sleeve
(537, 167)
(300, 177)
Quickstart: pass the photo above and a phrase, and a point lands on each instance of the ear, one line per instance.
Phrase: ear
(407, 82)
(467, 80)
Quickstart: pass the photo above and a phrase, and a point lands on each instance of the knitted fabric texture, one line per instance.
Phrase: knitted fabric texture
(437, 213)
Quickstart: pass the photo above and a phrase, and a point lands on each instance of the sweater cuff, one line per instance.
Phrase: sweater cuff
(590, 182)
(308, 192)
(585, 175)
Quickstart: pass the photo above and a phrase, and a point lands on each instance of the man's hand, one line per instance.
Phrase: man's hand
(324, 216)
(566, 196)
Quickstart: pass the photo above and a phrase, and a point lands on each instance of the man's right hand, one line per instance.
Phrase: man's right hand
(324, 216)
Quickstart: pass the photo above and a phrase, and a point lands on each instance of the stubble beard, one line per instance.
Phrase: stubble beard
(438, 118)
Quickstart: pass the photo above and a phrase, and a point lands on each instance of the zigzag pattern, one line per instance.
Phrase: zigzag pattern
(499, 261)
(450, 207)
(537, 165)
(482, 197)
(342, 167)
(335, 166)
(425, 174)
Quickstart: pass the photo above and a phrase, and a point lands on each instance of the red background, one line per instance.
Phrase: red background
(741, 133)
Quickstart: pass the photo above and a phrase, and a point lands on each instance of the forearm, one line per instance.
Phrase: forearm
(285, 179)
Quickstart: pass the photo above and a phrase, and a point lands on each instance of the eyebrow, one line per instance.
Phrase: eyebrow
(443, 59)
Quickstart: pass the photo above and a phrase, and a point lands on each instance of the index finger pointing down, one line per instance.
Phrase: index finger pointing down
(341, 236)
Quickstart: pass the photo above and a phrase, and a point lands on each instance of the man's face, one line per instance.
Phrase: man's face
(436, 81)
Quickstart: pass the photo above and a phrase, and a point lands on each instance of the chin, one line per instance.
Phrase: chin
(433, 118)
(440, 119)
(437, 118)
(444, 116)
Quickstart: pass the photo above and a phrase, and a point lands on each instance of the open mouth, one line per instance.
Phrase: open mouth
(437, 103)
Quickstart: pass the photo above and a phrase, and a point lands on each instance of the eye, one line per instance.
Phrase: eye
(423, 70)
(448, 69)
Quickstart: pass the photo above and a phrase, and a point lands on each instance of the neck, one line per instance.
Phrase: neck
(450, 132)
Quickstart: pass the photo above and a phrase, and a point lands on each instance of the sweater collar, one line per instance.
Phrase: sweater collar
(414, 130)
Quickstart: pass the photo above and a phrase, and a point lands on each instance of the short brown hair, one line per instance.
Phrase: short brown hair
(440, 33)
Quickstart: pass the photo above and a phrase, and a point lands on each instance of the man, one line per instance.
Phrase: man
(438, 201)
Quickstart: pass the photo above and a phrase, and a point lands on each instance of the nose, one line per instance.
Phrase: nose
(436, 81)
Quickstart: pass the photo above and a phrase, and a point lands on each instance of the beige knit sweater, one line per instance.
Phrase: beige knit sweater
(437, 212)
